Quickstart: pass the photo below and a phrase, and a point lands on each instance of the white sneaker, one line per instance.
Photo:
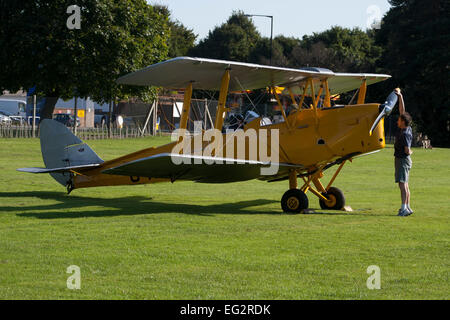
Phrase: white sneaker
(403, 212)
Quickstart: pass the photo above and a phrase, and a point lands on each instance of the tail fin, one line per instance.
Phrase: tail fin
(63, 150)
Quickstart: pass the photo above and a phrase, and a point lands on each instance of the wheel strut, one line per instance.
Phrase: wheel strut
(293, 179)
(295, 200)
(329, 197)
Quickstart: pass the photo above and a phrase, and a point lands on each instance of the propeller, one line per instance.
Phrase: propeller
(386, 109)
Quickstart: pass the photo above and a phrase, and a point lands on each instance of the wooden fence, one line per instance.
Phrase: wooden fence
(11, 131)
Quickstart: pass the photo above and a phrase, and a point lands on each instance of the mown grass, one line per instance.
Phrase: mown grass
(201, 241)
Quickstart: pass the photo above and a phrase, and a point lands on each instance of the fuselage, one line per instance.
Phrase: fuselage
(310, 138)
(316, 137)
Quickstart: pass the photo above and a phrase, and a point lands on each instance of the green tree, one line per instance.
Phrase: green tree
(233, 40)
(281, 51)
(181, 39)
(115, 38)
(319, 55)
(348, 49)
(341, 50)
(415, 36)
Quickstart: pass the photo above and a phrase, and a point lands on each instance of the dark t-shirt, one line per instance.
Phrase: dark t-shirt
(403, 138)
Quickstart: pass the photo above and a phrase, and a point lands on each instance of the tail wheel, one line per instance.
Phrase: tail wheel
(70, 186)
(336, 199)
(294, 201)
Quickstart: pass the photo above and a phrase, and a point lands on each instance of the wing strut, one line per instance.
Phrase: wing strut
(186, 106)
(221, 109)
(362, 92)
(327, 101)
(280, 105)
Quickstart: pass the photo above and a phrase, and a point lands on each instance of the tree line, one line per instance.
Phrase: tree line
(118, 37)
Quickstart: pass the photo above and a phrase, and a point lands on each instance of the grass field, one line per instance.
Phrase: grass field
(231, 241)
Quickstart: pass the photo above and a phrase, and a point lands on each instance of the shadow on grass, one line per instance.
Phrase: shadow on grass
(133, 205)
(136, 205)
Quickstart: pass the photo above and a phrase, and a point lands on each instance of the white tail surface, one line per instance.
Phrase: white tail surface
(63, 150)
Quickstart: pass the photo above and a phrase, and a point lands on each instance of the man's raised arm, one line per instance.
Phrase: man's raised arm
(401, 104)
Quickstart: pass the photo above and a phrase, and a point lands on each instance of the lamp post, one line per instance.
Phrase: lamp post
(271, 30)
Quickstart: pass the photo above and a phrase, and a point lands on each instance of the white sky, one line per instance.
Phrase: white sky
(291, 18)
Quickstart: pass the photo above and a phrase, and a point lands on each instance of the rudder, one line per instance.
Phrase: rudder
(61, 148)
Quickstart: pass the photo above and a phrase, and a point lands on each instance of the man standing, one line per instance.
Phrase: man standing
(403, 162)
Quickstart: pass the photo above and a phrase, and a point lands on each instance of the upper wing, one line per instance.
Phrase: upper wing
(195, 168)
(344, 82)
(206, 74)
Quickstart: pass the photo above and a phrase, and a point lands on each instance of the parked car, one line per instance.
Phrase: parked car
(66, 119)
(15, 120)
(14, 107)
(5, 118)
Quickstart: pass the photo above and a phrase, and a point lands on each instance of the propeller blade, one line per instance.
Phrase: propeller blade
(377, 120)
(387, 106)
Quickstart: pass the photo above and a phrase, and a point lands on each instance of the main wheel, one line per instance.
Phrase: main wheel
(336, 199)
(294, 201)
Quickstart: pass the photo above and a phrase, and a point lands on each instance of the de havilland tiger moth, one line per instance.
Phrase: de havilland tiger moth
(309, 140)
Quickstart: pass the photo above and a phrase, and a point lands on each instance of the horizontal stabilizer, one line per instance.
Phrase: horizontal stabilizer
(63, 169)
(62, 152)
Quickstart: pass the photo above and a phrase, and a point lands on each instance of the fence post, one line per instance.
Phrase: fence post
(75, 111)
(34, 116)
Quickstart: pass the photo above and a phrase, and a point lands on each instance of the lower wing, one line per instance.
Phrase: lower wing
(200, 168)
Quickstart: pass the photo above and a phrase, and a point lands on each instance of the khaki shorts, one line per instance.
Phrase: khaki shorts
(402, 167)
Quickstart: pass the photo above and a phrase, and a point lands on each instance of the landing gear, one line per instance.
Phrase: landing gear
(70, 186)
(330, 198)
(336, 199)
(294, 201)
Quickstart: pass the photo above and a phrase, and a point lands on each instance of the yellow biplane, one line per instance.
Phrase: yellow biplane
(309, 139)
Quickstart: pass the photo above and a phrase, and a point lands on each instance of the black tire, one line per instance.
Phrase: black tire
(294, 201)
(135, 179)
(337, 197)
